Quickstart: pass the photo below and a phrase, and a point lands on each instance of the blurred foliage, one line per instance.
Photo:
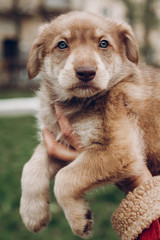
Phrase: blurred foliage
(144, 12)
(17, 142)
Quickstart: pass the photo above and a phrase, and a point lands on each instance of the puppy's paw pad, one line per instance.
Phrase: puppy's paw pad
(88, 215)
(87, 226)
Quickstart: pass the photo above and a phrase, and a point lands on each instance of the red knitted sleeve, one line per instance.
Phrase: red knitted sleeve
(152, 233)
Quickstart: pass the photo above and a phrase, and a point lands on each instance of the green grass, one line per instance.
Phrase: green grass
(16, 93)
(17, 142)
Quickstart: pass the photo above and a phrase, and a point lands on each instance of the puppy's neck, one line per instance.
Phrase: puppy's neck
(74, 105)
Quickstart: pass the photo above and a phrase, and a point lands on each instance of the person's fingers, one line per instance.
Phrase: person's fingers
(56, 149)
(66, 129)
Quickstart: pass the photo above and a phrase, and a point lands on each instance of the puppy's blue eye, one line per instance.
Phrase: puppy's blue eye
(103, 44)
(62, 45)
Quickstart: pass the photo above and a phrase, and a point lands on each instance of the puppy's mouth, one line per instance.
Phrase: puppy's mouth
(84, 89)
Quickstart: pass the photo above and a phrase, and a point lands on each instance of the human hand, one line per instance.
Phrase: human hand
(57, 149)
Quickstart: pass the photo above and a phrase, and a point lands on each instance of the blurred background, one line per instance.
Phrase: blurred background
(19, 21)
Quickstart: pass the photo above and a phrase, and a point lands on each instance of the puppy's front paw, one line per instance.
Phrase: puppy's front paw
(34, 213)
(82, 226)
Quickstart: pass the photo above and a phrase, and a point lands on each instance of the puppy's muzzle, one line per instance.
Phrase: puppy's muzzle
(85, 74)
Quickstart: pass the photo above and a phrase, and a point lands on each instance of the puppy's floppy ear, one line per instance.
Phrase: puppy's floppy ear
(36, 54)
(130, 43)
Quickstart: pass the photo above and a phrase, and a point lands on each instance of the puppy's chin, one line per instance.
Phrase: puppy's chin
(84, 91)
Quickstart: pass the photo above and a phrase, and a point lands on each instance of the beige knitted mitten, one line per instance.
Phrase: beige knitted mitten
(138, 210)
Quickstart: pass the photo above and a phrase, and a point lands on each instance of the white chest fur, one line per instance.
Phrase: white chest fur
(89, 128)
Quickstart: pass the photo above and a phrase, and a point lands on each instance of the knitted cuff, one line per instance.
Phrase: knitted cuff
(138, 210)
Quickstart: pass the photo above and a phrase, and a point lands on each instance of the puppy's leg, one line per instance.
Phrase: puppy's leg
(86, 172)
(37, 172)
(121, 158)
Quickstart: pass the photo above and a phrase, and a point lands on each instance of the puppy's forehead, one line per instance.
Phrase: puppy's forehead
(82, 25)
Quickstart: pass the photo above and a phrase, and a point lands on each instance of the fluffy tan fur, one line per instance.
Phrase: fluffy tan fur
(116, 115)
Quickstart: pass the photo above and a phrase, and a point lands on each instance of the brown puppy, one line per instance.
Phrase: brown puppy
(89, 66)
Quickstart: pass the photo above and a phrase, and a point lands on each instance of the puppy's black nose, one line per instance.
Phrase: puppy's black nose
(85, 74)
